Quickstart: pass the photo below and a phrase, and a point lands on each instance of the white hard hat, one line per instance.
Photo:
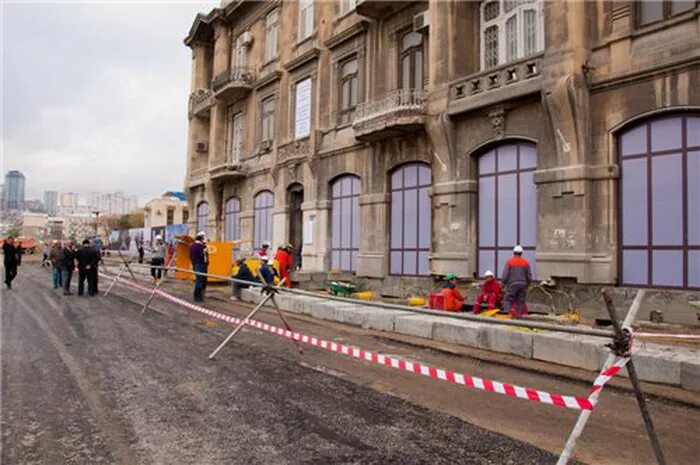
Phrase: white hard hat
(488, 273)
(518, 249)
(264, 258)
(200, 234)
(159, 237)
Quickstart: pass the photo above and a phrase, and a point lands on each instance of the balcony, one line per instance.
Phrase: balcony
(201, 101)
(379, 8)
(197, 178)
(397, 113)
(234, 83)
(492, 86)
(226, 171)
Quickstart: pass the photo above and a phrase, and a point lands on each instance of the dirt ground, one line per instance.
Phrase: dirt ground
(90, 380)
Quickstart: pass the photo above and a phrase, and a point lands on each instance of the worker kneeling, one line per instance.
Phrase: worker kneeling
(454, 301)
(490, 293)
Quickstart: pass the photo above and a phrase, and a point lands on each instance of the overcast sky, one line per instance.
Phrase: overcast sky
(94, 94)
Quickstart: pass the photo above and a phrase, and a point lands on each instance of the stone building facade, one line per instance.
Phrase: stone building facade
(399, 139)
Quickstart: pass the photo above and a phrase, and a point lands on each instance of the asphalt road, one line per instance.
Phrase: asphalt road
(89, 380)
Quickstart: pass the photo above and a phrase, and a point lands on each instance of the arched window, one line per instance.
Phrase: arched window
(510, 30)
(232, 219)
(262, 221)
(345, 222)
(411, 59)
(507, 205)
(203, 217)
(411, 220)
(660, 202)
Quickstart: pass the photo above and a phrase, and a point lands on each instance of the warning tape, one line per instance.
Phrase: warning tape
(511, 390)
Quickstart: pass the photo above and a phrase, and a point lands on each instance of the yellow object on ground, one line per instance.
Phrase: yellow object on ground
(364, 295)
(416, 301)
(489, 313)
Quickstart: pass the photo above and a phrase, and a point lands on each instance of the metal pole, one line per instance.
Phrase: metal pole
(116, 278)
(126, 263)
(646, 416)
(406, 308)
(585, 414)
(243, 322)
(284, 320)
(156, 287)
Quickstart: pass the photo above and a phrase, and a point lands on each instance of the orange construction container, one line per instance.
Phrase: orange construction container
(220, 258)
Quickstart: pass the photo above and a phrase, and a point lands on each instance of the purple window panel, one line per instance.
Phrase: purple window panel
(529, 255)
(507, 210)
(335, 224)
(345, 221)
(634, 202)
(354, 244)
(503, 256)
(262, 219)
(487, 261)
(396, 262)
(694, 268)
(487, 212)
(410, 263)
(353, 264)
(410, 176)
(335, 259)
(424, 232)
(507, 158)
(528, 157)
(528, 210)
(666, 199)
(423, 263)
(694, 197)
(634, 142)
(397, 179)
(635, 266)
(346, 229)
(397, 219)
(202, 216)
(410, 224)
(232, 219)
(667, 268)
(345, 263)
(666, 134)
(487, 163)
(693, 131)
(424, 176)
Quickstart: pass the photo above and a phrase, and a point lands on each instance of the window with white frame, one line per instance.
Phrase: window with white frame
(237, 137)
(241, 53)
(268, 119)
(271, 28)
(302, 109)
(348, 87)
(411, 61)
(306, 18)
(347, 6)
(510, 30)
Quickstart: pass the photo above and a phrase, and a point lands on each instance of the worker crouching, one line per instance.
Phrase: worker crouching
(490, 293)
(454, 301)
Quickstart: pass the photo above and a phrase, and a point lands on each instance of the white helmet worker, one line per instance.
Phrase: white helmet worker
(518, 249)
(200, 235)
(264, 258)
(159, 237)
(488, 274)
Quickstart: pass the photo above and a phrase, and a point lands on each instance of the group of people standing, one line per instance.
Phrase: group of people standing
(64, 260)
(516, 277)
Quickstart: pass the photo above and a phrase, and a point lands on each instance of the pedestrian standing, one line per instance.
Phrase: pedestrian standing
(11, 260)
(67, 266)
(84, 257)
(45, 251)
(55, 259)
(157, 259)
(517, 276)
(200, 262)
(94, 277)
(141, 252)
(20, 252)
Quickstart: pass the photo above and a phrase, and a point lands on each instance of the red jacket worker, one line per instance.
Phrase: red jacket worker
(490, 293)
(453, 299)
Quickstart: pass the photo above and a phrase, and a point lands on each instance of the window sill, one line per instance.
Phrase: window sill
(342, 16)
(310, 38)
(665, 23)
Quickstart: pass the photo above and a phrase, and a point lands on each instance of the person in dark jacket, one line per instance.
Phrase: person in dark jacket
(11, 261)
(88, 258)
(200, 262)
(141, 252)
(67, 266)
(244, 274)
(55, 259)
(267, 272)
(517, 276)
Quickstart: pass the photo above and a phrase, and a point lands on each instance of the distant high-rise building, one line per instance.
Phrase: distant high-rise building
(69, 199)
(51, 202)
(14, 190)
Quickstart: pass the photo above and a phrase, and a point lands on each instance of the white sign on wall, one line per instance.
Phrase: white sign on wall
(309, 230)
(302, 109)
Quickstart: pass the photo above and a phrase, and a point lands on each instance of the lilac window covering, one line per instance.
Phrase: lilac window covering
(203, 217)
(507, 205)
(345, 222)
(411, 220)
(262, 219)
(232, 219)
(660, 202)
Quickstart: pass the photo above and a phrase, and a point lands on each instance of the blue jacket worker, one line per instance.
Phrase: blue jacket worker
(244, 274)
(200, 262)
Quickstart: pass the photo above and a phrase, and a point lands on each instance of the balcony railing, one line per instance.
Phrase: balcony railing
(233, 83)
(225, 169)
(201, 101)
(399, 111)
(480, 89)
(197, 177)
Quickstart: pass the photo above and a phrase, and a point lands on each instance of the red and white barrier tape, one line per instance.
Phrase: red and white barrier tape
(576, 403)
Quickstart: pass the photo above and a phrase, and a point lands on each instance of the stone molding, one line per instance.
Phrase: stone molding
(316, 205)
(347, 34)
(465, 186)
(576, 173)
(374, 199)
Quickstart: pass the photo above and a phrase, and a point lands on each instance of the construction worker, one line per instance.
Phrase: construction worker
(200, 262)
(454, 301)
(490, 292)
(267, 272)
(283, 257)
(263, 249)
(243, 274)
(517, 276)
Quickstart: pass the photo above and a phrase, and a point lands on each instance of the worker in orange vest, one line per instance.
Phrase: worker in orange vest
(516, 278)
(454, 301)
(283, 257)
(490, 293)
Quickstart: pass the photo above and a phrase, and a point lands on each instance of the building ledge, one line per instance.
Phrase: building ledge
(200, 103)
(396, 113)
(226, 171)
(233, 83)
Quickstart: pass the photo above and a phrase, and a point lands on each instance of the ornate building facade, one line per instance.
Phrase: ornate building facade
(399, 139)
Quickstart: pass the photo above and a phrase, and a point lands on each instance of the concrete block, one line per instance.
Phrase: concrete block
(381, 319)
(690, 372)
(250, 295)
(415, 325)
(319, 309)
(506, 340)
(355, 315)
(656, 366)
(572, 350)
(457, 331)
(295, 304)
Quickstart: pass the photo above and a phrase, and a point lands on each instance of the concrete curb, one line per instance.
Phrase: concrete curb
(655, 363)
